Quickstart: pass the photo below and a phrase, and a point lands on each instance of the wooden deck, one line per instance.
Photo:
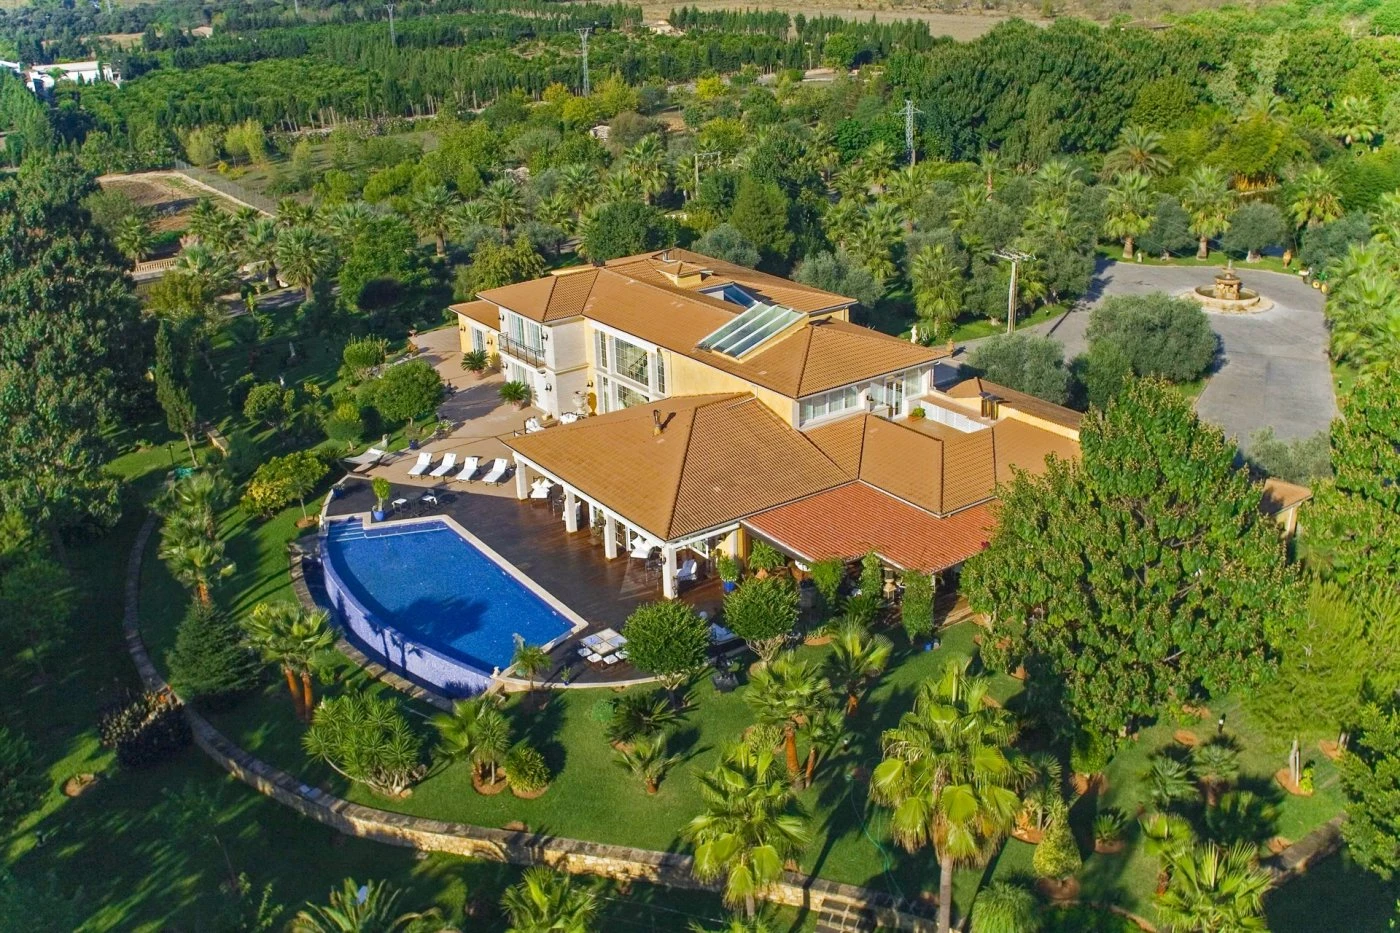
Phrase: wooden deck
(531, 536)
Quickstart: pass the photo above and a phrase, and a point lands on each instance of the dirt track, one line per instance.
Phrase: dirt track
(959, 26)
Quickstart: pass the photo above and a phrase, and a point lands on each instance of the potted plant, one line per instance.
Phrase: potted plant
(476, 362)
(765, 559)
(728, 568)
(515, 393)
(1109, 827)
(381, 488)
(917, 414)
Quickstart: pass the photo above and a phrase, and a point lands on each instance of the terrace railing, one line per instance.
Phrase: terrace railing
(522, 352)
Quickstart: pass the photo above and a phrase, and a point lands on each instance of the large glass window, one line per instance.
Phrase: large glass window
(600, 347)
(830, 403)
(660, 372)
(478, 340)
(631, 362)
(626, 397)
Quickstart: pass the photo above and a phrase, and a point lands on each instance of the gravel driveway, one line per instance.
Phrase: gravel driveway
(1272, 369)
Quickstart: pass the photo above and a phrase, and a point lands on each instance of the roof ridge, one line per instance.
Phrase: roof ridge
(680, 477)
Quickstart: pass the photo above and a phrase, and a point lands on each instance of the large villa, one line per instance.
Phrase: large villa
(683, 407)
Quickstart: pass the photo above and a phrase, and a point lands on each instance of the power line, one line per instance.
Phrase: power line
(583, 34)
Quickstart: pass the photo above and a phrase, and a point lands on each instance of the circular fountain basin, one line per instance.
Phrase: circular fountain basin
(1249, 302)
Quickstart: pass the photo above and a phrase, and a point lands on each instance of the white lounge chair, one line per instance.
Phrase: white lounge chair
(497, 473)
(641, 549)
(369, 458)
(689, 572)
(468, 468)
(449, 462)
(532, 425)
(540, 490)
(425, 460)
(569, 417)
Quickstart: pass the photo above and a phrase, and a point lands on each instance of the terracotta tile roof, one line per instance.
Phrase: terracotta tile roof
(1280, 495)
(551, 298)
(1023, 401)
(719, 458)
(772, 289)
(934, 466)
(483, 312)
(852, 520)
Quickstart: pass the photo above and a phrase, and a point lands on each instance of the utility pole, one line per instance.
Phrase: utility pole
(1015, 257)
(583, 34)
(909, 111)
(393, 39)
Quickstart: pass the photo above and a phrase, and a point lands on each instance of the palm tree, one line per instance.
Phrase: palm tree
(938, 291)
(1058, 179)
(501, 205)
(287, 635)
(874, 239)
(1214, 889)
(949, 776)
(646, 758)
(478, 732)
(579, 184)
(1215, 765)
(530, 660)
(293, 213)
(347, 222)
(751, 825)
(197, 562)
(303, 255)
(1139, 150)
(645, 165)
(878, 159)
(857, 660)
(223, 234)
(260, 247)
(213, 271)
(365, 908)
(1315, 200)
(432, 210)
(556, 212)
(1206, 199)
(1129, 210)
(1354, 121)
(132, 237)
(824, 730)
(785, 693)
(203, 216)
(547, 901)
(198, 496)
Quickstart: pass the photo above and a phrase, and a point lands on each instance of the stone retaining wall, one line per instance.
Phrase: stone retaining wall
(576, 856)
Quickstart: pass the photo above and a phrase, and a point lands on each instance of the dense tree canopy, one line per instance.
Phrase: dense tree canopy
(1143, 573)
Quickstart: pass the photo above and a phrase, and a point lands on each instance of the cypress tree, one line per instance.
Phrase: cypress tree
(210, 660)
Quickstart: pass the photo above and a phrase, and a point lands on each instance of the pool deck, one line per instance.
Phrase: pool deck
(571, 567)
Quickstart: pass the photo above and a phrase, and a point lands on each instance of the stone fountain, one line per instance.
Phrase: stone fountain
(1227, 295)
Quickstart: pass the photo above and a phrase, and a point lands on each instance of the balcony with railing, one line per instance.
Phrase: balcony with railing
(534, 356)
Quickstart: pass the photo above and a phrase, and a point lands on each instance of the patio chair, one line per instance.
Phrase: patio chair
(540, 489)
(364, 461)
(533, 425)
(398, 504)
(429, 498)
(569, 417)
(689, 572)
(497, 474)
(468, 469)
(641, 549)
(449, 462)
(425, 460)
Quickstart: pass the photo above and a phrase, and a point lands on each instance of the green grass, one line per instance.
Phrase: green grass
(893, 314)
(1216, 260)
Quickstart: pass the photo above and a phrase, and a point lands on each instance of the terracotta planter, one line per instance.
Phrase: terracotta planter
(816, 641)
(1330, 749)
(1059, 890)
(80, 784)
(1186, 737)
(530, 795)
(1109, 848)
(1087, 783)
(1286, 782)
(1028, 834)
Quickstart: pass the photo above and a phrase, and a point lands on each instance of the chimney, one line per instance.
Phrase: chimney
(655, 422)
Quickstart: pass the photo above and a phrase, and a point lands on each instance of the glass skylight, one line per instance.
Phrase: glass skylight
(731, 293)
(750, 329)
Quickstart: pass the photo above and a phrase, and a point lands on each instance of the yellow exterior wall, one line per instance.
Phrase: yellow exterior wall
(1017, 415)
(464, 335)
(685, 376)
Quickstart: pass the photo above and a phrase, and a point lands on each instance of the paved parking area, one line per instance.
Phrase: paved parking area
(1272, 369)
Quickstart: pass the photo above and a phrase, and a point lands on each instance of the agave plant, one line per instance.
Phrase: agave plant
(1169, 781)
(1109, 826)
(1215, 765)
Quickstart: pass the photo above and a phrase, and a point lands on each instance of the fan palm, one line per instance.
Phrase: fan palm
(546, 901)
(1058, 180)
(878, 159)
(346, 222)
(1139, 150)
(641, 714)
(1354, 121)
(365, 908)
(1166, 837)
(132, 237)
(1215, 765)
(213, 271)
(646, 758)
(501, 205)
(293, 213)
(555, 211)
(645, 165)
(1315, 201)
(304, 255)
(198, 496)
(824, 731)
(260, 247)
(751, 825)
(1214, 889)
(873, 240)
(580, 185)
(288, 635)
(783, 694)
(432, 210)
(949, 775)
(1206, 199)
(197, 562)
(1128, 209)
(475, 731)
(1042, 789)
(530, 660)
(857, 660)
(938, 290)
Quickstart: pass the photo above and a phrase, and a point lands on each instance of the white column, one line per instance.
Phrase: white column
(570, 511)
(668, 573)
(522, 481)
(609, 537)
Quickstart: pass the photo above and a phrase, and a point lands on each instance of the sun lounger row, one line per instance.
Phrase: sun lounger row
(495, 471)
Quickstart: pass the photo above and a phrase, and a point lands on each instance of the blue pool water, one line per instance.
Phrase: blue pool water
(436, 590)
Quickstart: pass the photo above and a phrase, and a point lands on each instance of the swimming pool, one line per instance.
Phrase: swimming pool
(433, 605)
